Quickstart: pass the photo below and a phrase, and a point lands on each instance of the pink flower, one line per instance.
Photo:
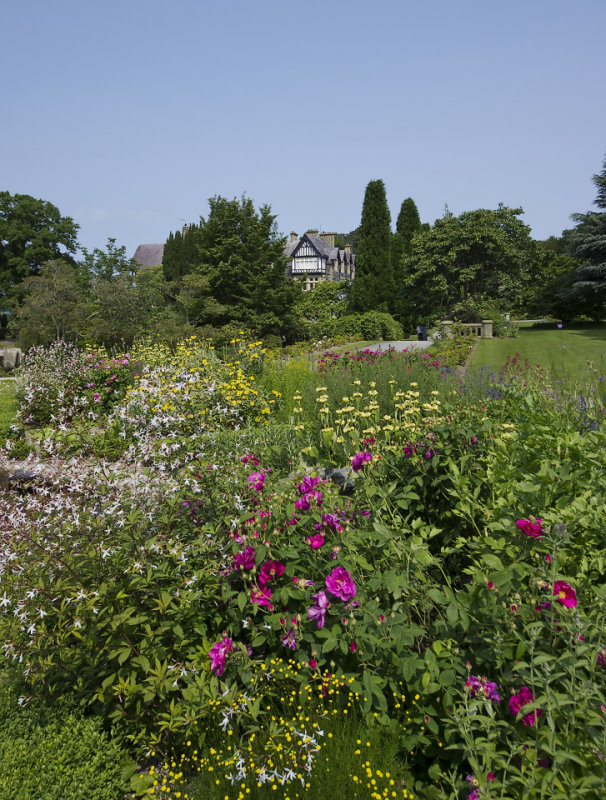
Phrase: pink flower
(217, 654)
(353, 646)
(313, 663)
(340, 584)
(565, 594)
(262, 597)
(521, 699)
(531, 528)
(601, 659)
(269, 571)
(256, 480)
(315, 541)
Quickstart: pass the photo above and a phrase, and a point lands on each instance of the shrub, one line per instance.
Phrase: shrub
(54, 753)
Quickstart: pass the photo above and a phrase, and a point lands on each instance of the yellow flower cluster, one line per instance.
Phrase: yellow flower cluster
(290, 740)
(360, 414)
(193, 388)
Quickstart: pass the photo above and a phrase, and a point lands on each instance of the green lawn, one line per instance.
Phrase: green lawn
(8, 405)
(574, 354)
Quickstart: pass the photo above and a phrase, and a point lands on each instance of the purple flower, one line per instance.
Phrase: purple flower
(217, 654)
(269, 571)
(340, 584)
(245, 559)
(317, 612)
(304, 503)
(483, 688)
(256, 480)
(330, 521)
(289, 639)
(560, 325)
(601, 660)
(308, 484)
(358, 461)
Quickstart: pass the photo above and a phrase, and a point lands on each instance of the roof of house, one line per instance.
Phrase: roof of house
(149, 255)
(330, 253)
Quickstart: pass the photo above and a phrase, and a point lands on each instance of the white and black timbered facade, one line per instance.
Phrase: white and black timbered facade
(314, 258)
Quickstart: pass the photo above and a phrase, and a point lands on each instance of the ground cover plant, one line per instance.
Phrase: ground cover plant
(370, 547)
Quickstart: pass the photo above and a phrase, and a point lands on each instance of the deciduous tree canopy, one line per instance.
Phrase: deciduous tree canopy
(482, 253)
(31, 232)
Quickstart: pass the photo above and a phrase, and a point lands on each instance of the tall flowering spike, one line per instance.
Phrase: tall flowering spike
(340, 584)
(530, 528)
(565, 594)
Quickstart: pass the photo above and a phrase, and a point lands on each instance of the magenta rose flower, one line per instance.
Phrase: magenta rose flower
(565, 594)
(531, 528)
(262, 597)
(316, 541)
(358, 461)
(245, 559)
(521, 699)
(269, 571)
(340, 584)
(256, 480)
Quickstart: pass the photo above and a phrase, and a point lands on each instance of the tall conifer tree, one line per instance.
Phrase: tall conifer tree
(372, 288)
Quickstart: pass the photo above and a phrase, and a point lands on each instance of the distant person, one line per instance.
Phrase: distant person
(420, 332)
(424, 333)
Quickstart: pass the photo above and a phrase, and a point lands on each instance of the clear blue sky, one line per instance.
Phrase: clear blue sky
(129, 115)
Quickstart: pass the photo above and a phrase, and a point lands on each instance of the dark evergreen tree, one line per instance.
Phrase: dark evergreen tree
(242, 255)
(181, 255)
(586, 287)
(372, 289)
(407, 225)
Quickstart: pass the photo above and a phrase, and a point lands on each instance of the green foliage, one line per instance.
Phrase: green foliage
(106, 264)
(54, 753)
(54, 306)
(372, 288)
(180, 255)
(243, 258)
(482, 253)
(31, 232)
(369, 325)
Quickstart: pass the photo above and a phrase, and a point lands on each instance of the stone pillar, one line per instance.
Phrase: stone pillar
(486, 329)
(447, 325)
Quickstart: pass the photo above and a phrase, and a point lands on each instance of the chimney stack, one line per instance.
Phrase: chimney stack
(294, 237)
(329, 238)
(348, 248)
(311, 232)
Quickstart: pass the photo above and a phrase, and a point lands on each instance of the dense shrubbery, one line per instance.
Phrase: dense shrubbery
(436, 547)
(52, 753)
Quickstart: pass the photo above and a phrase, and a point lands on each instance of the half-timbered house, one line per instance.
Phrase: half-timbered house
(314, 258)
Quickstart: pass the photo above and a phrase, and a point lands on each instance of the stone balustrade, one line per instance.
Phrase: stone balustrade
(483, 329)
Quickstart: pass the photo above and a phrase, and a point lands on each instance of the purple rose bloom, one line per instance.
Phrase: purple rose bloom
(217, 654)
(308, 484)
(522, 698)
(340, 584)
(245, 559)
